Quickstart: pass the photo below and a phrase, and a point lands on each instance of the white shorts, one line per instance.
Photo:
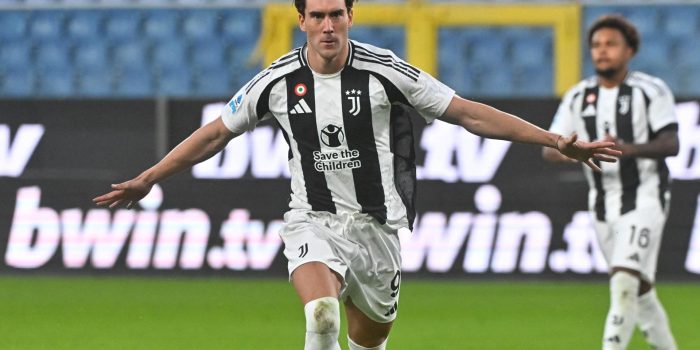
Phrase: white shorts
(354, 245)
(633, 240)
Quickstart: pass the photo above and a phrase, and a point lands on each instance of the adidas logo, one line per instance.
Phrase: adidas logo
(301, 108)
(589, 111)
(634, 257)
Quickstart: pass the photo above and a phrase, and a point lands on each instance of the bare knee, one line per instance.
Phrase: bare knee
(644, 286)
(364, 331)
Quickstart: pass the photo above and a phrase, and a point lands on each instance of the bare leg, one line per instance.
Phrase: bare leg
(315, 280)
(363, 330)
(318, 287)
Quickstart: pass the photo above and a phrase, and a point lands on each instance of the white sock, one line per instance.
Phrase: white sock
(653, 322)
(322, 324)
(353, 346)
(622, 316)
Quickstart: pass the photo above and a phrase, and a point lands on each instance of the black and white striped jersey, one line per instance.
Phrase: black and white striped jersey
(634, 112)
(350, 138)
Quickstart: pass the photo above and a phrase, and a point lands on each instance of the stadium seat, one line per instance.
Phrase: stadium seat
(161, 24)
(687, 53)
(241, 24)
(169, 54)
(654, 50)
(18, 82)
(85, 25)
(122, 25)
(56, 83)
(134, 82)
(47, 25)
(94, 83)
(208, 53)
(496, 82)
(212, 83)
(682, 21)
(52, 55)
(175, 82)
(15, 54)
(13, 25)
(645, 19)
(91, 56)
(130, 54)
(487, 51)
(200, 24)
(534, 81)
(531, 51)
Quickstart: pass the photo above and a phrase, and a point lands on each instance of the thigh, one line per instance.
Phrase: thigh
(363, 330)
(315, 280)
(638, 237)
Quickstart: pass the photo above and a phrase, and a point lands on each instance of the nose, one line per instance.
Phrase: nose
(327, 25)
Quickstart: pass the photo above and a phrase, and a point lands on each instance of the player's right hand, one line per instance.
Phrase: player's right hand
(129, 193)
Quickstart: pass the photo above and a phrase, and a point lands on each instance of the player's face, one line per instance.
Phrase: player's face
(326, 23)
(610, 52)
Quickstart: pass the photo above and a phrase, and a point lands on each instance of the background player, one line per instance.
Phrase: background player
(629, 200)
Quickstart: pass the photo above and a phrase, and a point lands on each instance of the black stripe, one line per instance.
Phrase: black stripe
(302, 57)
(387, 65)
(267, 71)
(284, 59)
(254, 82)
(263, 105)
(359, 131)
(305, 134)
(629, 173)
(403, 149)
(388, 58)
(573, 101)
(590, 97)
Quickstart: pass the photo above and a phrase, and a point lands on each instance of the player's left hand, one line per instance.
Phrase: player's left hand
(587, 152)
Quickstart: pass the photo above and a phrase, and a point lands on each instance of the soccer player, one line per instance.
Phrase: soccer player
(340, 104)
(628, 200)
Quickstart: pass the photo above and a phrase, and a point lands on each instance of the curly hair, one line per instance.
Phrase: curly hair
(301, 5)
(619, 23)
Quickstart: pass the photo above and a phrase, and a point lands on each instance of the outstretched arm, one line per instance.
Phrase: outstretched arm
(665, 144)
(490, 122)
(201, 145)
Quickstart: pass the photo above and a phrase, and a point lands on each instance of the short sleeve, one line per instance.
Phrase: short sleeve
(563, 122)
(662, 110)
(239, 114)
(428, 96)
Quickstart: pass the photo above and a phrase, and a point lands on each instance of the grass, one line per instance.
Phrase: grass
(158, 313)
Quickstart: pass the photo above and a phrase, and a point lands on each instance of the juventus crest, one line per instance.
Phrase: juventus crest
(354, 97)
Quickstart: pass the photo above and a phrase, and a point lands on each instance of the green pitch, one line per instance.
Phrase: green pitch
(155, 313)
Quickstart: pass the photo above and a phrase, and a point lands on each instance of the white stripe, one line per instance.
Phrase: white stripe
(305, 106)
(298, 109)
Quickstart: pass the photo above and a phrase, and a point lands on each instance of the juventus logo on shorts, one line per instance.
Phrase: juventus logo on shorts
(303, 250)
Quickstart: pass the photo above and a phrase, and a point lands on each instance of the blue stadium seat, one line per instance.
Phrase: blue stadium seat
(161, 24)
(85, 25)
(531, 51)
(123, 25)
(689, 84)
(682, 21)
(56, 83)
(47, 25)
(687, 52)
(13, 24)
(654, 50)
(134, 82)
(200, 24)
(18, 82)
(487, 51)
(208, 53)
(241, 24)
(52, 55)
(534, 81)
(94, 83)
(15, 54)
(212, 83)
(169, 54)
(91, 56)
(130, 54)
(645, 19)
(174, 82)
(497, 82)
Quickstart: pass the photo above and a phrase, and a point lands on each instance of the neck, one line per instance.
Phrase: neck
(326, 65)
(614, 80)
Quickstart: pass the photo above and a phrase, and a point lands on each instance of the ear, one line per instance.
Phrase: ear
(350, 15)
(302, 22)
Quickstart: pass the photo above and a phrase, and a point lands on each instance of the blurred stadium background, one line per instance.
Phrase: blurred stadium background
(93, 91)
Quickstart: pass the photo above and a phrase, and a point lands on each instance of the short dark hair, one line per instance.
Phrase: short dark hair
(301, 5)
(619, 23)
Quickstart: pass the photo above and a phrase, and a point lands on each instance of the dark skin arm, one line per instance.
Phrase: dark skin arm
(664, 145)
